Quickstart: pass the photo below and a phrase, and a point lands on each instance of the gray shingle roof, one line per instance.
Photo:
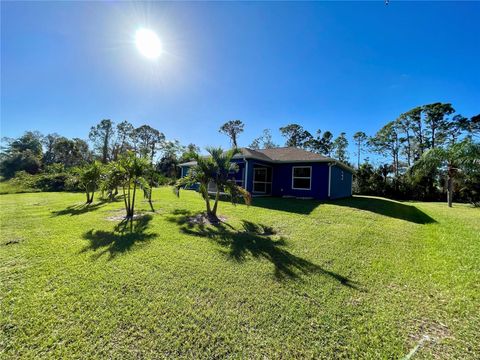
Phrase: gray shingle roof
(284, 154)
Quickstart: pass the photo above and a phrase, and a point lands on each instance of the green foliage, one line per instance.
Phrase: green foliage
(232, 129)
(130, 172)
(216, 169)
(89, 179)
(296, 136)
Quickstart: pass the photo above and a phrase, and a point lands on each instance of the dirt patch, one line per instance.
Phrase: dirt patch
(121, 216)
(203, 219)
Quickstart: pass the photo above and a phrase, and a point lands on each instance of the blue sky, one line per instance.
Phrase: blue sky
(338, 66)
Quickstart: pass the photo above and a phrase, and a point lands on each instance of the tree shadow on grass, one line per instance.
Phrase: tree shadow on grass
(126, 234)
(297, 206)
(79, 209)
(386, 207)
(256, 240)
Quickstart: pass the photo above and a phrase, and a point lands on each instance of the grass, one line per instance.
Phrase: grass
(357, 278)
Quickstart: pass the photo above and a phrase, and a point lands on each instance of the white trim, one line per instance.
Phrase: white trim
(329, 178)
(260, 182)
(299, 177)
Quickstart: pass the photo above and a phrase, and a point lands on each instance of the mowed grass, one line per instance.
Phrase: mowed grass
(355, 278)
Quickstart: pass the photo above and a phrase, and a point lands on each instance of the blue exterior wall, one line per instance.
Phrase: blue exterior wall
(340, 187)
(184, 170)
(282, 181)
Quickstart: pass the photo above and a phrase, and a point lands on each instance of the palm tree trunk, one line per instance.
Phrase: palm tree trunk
(215, 205)
(133, 199)
(128, 198)
(125, 198)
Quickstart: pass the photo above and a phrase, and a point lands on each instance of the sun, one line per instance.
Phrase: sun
(148, 43)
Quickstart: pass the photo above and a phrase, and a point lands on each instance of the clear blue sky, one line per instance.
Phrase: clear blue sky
(338, 66)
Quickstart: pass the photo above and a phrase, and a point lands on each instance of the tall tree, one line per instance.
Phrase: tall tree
(414, 119)
(125, 135)
(340, 145)
(455, 159)
(232, 129)
(386, 143)
(149, 140)
(360, 139)
(101, 136)
(435, 118)
(405, 127)
(296, 135)
(326, 143)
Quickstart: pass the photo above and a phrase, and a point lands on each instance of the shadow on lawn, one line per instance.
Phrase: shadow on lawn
(289, 205)
(79, 209)
(386, 207)
(125, 234)
(379, 206)
(256, 240)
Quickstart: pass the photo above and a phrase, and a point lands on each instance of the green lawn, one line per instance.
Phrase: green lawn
(356, 278)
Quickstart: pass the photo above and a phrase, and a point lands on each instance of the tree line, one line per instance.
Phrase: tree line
(423, 154)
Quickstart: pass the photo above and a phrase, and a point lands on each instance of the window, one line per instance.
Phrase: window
(301, 177)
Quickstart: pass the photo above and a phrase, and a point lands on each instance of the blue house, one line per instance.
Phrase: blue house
(289, 172)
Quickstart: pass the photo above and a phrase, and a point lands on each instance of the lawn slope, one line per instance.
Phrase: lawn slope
(361, 277)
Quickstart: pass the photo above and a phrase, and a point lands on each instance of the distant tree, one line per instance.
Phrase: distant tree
(101, 136)
(49, 142)
(405, 127)
(264, 141)
(255, 144)
(217, 168)
(453, 160)
(360, 139)
(189, 153)
(21, 154)
(296, 135)
(435, 118)
(70, 153)
(340, 145)
(386, 143)
(168, 164)
(232, 129)
(149, 140)
(414, 119)
(125, 134)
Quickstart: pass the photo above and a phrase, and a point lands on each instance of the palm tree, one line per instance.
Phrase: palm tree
(216, 169)
(128, 172)
(455, 159)
(89, 179)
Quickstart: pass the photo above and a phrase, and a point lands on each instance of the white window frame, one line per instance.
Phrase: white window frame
(260, 182)
(301, 177)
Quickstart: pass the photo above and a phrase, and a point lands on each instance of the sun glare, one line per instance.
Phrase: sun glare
(148, 43)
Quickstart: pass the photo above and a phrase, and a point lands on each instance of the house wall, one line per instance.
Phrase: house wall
(340, 187)
(282, 181)
(184, 170)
